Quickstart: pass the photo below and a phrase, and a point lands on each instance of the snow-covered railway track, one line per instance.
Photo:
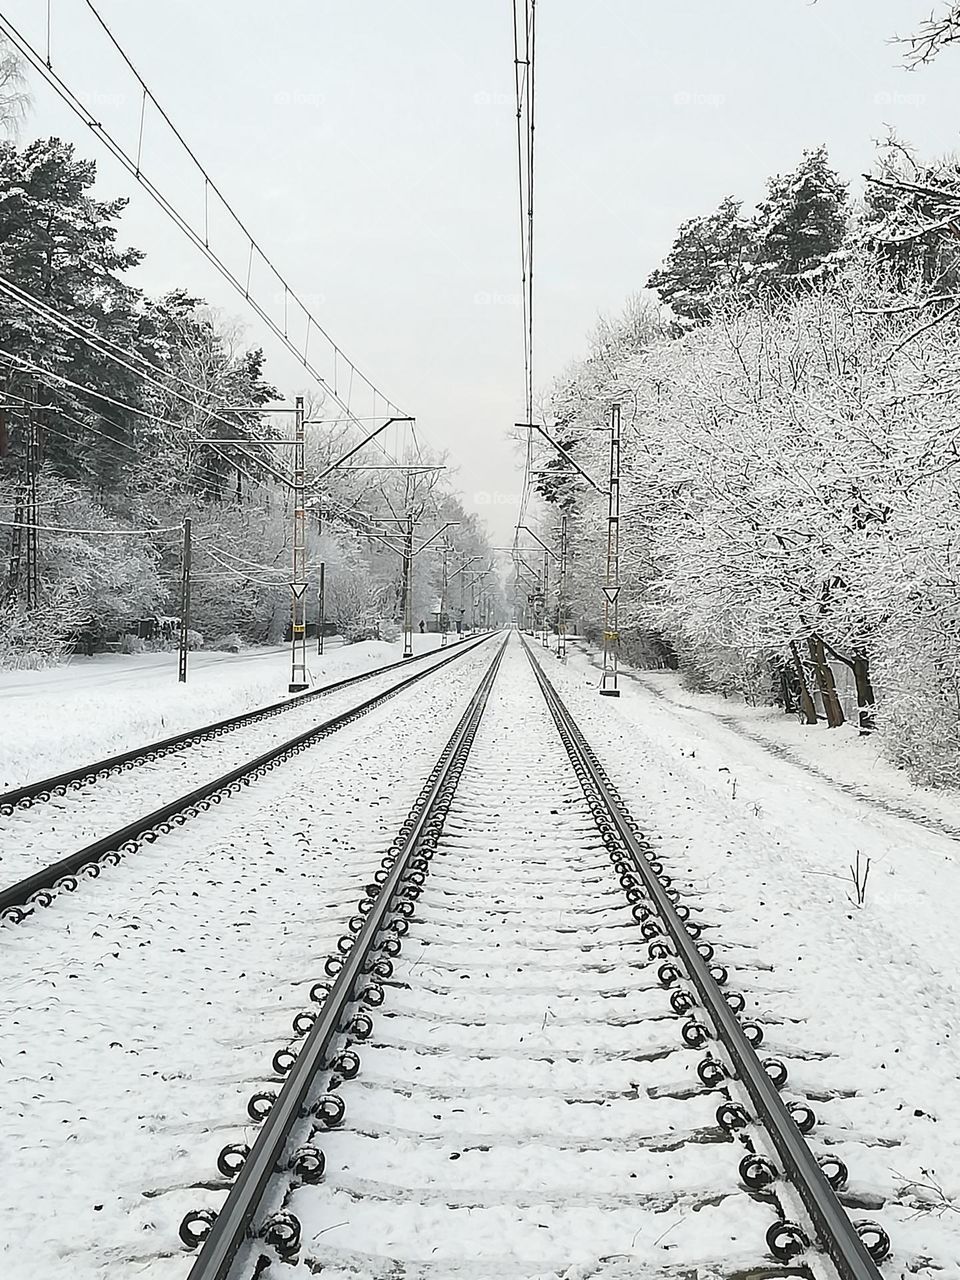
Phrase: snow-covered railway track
(108, 809)
(526, 1105)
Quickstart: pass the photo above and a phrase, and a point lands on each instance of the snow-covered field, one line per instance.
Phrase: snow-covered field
(861, 1002)
(91, 708)
(138, 1016)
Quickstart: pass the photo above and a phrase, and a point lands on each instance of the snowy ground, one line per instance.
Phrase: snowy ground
(525, 1106)
(138, 1016)
(95, 707)
(41, 834)
(863, 1002)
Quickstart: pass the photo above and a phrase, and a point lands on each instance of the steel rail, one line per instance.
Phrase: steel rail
(835, 1232)
(38, 792)
(175, 812)
(231, 1227)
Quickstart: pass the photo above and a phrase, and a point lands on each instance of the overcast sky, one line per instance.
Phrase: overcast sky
(370, 145)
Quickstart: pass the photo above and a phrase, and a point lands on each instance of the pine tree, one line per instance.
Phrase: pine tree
(711, 257)
(800, 227)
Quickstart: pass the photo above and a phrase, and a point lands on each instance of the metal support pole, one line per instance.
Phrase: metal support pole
(442, 620)
(408, 589)
(32, 514)
(546, 598)
(321, 608)
(298, 577)
(611, 586)
(185, 601)
(561, 593)
(463, 588)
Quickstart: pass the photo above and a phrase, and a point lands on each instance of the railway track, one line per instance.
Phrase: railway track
(523, 1058)
(99, 811)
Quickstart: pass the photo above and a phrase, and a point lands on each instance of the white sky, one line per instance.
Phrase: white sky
(370, 146)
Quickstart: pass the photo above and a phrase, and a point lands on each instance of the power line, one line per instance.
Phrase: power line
(201, 241)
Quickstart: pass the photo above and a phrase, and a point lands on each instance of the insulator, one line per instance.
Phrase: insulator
(875, 1239)
(282, 1232)
(757, 1172)
(360, 1026)
(754, 1033)
(319, 992)
(283, 1061)
(711, 1072)
(776, 1070)
(731, 1117)
(786, 1241)
(303, 1021)
(308, 1163)
(260, 1104)
(231, 1158)
(196, 1226)
(695, 1034)
(372, 994)
(735, 1000)
(332, 966)
(804, 1116)
(346, 1064)
(668, 974)
(330, 1110)
(681, 1001)
(834, 1170)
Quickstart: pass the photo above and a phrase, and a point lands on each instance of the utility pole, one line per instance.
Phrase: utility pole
(546, 598)
(561, 590)
(321, 607)
(298, 577)
(185, 601)
(408, 587)
(32, 509)
(611, 586)
(442, 620)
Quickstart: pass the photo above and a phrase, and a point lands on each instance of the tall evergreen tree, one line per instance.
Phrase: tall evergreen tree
(711, 257)
(801, 225)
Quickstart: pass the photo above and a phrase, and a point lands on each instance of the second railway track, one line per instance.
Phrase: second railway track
(70, 824)
(524, 1061)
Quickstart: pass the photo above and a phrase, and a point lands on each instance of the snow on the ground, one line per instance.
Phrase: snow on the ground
(40, 834)
(91, 708)
(139, 1014)
(525, 1106)
(861, 1002)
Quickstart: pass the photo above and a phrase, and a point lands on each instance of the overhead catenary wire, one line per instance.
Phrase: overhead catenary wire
(201, 241)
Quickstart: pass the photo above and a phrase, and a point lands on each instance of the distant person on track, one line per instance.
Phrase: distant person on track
(422, 626)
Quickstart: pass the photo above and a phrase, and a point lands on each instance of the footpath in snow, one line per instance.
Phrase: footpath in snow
(90, 708)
